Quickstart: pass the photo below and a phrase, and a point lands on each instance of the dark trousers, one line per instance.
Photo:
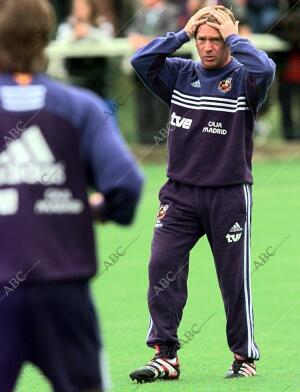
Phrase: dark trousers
(53, 326)
(186, 214)
(289, 98)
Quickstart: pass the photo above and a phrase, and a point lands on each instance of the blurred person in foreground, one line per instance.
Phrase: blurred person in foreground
(213, 106)
(55, 140)
(156, 17)
(86, 23)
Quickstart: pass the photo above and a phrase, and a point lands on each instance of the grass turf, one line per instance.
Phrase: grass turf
(120, 296)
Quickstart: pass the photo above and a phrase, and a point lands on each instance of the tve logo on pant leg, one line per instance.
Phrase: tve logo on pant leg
(236, 235)
(233, 237)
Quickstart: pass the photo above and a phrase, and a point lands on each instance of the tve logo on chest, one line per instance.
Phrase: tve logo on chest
(181, 122)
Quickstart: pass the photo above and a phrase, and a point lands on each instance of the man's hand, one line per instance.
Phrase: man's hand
(226, 26)
(196, 20)
(96, 201)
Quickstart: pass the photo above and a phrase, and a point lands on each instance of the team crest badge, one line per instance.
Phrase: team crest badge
(161, 215)
(225, 85)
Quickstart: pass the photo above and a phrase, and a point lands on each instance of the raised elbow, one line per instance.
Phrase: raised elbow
(135, 61)
(270, 70)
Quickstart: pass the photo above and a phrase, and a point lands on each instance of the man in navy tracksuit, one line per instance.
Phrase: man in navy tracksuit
(213, 106)
(55, 141)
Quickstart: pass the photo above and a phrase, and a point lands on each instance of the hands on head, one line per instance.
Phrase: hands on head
(200, 17)
(216, 18)
(225, 24)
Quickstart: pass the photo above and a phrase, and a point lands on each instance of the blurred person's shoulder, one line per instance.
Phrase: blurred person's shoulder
(72, 102)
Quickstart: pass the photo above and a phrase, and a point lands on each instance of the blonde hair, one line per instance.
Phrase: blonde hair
(228, 11)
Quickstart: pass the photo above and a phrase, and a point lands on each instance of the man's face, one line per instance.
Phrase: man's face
(213, 51)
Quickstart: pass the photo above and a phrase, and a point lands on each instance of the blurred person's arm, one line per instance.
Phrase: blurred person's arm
(114, 171)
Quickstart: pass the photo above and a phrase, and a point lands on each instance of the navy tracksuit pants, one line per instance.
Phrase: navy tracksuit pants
(54, 326)
(186, 214)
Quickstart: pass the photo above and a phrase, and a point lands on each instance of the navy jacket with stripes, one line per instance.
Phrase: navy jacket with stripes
(212, 112)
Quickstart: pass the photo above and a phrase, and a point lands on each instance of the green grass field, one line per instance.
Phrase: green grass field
(120, 296)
